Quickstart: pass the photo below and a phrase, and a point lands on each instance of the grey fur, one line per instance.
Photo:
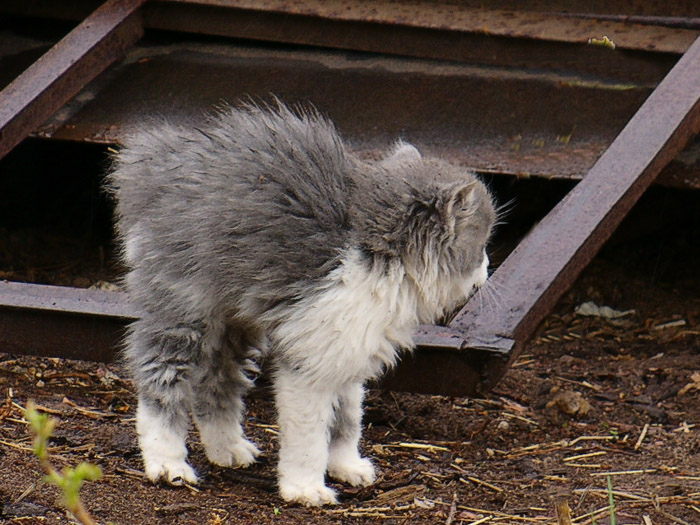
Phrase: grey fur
(229, 225)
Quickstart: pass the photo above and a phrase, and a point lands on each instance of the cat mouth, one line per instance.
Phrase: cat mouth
(472, 292)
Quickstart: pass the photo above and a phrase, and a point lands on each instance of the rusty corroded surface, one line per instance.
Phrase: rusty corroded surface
(84, 324)
(65, 322)
(548, 260)
(66, 68)
(508, 21)
(529, 35)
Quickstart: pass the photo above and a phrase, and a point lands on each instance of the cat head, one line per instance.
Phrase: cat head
(440, 230)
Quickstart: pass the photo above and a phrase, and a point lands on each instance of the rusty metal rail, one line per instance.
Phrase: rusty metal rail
(471, 354)
(68, 322)
(66, 68)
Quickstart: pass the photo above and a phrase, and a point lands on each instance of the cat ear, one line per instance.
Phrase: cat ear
(402, 153)
(459, 201)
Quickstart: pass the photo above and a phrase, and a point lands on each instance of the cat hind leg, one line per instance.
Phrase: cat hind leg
(161, 360)
(219, 384)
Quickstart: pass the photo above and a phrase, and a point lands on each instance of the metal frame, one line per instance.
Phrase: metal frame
(467, 357)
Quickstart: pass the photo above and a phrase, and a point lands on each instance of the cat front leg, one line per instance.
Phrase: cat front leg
(344, 462)
(305, 418)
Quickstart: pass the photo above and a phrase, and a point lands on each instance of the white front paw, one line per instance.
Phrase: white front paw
(355, 470)
(174, 471)
(309, 494)
(239, 453)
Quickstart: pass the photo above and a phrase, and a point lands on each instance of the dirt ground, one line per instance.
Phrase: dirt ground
(587, 398)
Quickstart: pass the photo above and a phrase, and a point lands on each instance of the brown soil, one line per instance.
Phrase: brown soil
(632, 385)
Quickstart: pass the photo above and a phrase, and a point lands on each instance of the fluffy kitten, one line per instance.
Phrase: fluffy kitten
(261, 232)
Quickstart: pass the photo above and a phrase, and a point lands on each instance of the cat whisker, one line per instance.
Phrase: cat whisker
(494, 298)
(503, 210)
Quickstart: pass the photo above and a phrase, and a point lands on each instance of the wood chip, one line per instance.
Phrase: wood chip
(422, 446)
(453, 510)
(590, 438)
(482, 483)
(495, 513)
(670, 324)
(641, 437)
(482, 520)
(624, 472)
(583, 456)
(561, 505)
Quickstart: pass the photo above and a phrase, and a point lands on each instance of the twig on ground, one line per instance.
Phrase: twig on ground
(453, 510)
(641, 437)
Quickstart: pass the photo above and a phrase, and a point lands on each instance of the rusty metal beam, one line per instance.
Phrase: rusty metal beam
(502, 21)
(63, 322)
(506, 35)
(66, 68)
(546, 263)
(254, 19)
(74, 323)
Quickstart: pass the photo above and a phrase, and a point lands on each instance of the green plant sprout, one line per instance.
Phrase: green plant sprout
(611, 500)
(69, 480)
(611, 505)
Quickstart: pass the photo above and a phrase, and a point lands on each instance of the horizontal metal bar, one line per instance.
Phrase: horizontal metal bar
(275, 20)
(58, 321)
(76, 323)
(546, 263)
(507, 35)
(66, 68)
(503, 21)
(64, 300)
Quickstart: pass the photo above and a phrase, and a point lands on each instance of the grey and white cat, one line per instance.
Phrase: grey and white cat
(261, 232)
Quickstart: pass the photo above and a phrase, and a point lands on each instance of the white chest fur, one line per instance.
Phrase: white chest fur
(350, 328)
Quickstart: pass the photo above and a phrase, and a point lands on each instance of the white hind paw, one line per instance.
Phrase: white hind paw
(162, 447)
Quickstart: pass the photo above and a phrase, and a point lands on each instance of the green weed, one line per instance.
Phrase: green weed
(69, 480)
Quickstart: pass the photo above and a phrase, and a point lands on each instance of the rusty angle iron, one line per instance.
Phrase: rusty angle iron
(66, 68)
(500, 33)
(465, 358)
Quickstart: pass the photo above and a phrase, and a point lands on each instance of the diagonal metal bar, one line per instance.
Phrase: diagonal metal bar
(549, 259)
(66, 68)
